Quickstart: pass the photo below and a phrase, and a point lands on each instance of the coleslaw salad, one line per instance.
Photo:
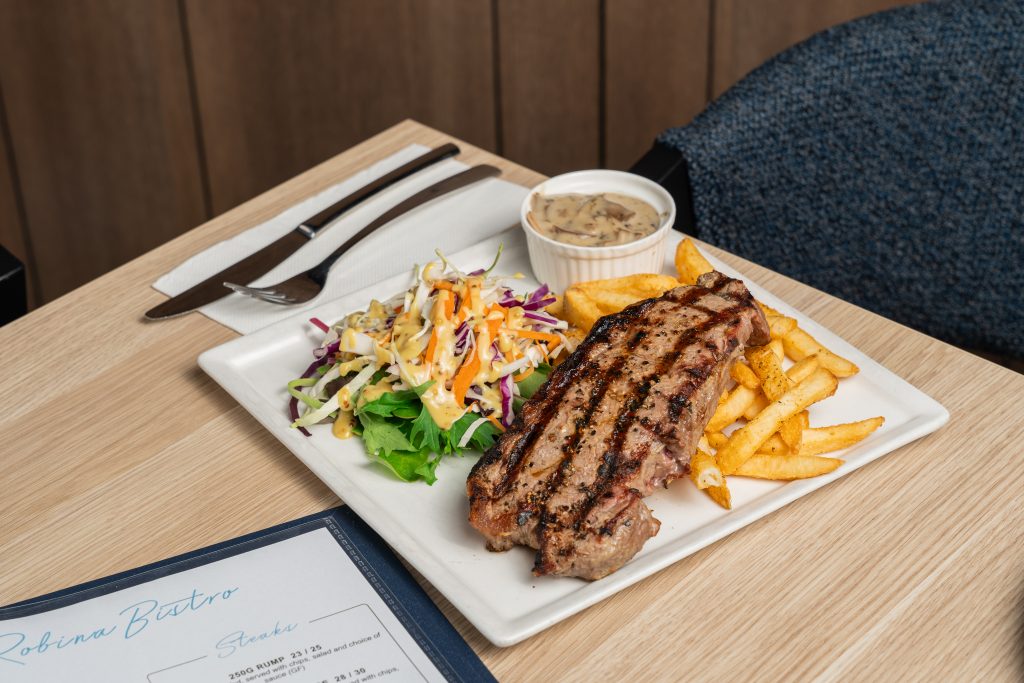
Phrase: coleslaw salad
(435, 370)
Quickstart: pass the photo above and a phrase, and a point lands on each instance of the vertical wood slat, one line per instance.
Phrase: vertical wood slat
(749, 32)
(283, 86)
(656, 74)
(101, 125)
(550, 71)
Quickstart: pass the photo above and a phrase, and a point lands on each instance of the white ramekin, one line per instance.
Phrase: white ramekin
(561, 265)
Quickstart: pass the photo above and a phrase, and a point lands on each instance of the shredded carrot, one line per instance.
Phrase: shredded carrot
(497, 424)
(522, 375)
(449, 306)
(428, 357)
(443, 284)
(553, 340)
(493, 325)
(464, 377)
(400, 308)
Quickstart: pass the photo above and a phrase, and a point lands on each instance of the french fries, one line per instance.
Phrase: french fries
(759, 403)
(744, 442)
(768, 368)
(799, 345)
(732, 409)
(787, 467)
(780, 325)
(690, 263)
(704, 470)
(775, 445)
(721, 494)
(742, 373)
(792, 431)
(776, 440)
(586, 302)
(826, 439)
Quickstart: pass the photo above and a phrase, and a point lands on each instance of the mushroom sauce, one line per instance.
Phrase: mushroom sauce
(592, 220)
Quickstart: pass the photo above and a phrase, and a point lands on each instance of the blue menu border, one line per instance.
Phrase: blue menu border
(428, 626)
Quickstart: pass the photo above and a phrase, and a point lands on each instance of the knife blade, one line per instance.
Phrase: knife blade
(256, 264)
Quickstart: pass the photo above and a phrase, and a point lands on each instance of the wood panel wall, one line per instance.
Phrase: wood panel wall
(130, 122)
(281, 86)
(98, 104)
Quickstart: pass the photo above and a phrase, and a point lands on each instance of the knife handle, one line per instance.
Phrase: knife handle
(311, 226)
(319, 272)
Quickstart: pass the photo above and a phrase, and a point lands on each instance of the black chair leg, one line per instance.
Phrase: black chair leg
(13, 294)
(667, 167)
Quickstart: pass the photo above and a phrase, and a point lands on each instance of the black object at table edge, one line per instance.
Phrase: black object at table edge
(666, 166)
(13, 292)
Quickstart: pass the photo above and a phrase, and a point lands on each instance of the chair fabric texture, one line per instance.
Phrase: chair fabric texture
(883, 162)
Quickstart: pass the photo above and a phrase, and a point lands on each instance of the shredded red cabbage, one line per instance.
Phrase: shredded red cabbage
(322, 352)
(320, 323)
(539, 299)
(323, 356)
(540, 317)
(506, 400)
(508, 299)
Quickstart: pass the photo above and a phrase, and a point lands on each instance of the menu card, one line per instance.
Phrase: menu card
(321, 599)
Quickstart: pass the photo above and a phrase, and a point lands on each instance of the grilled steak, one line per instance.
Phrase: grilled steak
(621, 416)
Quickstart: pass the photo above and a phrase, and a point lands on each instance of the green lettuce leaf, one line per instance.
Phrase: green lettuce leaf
(424, 432)
(530, 384)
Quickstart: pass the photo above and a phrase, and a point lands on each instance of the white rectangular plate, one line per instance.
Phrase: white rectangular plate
(428, 524)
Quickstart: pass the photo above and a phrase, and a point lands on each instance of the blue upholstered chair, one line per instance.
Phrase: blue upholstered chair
(881, 161)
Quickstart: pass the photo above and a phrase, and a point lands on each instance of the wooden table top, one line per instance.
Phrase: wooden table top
(119, 451)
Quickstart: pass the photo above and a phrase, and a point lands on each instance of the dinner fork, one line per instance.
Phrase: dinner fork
(306, 286)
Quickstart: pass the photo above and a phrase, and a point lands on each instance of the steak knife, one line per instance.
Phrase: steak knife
(256, 264)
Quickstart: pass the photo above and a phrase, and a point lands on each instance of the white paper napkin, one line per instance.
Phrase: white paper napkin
(451, 223)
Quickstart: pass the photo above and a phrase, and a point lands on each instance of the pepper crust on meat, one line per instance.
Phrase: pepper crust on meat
(620, 417)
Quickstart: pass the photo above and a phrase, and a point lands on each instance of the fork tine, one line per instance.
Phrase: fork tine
(263, 294)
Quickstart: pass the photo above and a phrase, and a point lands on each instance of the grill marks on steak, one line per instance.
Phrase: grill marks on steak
(618, 418)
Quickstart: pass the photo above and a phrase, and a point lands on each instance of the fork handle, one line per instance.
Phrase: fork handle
(319, 272)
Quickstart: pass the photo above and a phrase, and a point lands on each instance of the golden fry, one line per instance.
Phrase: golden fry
(792, 431)
(716, 439)
(558, 308)
(742, 373)
(774, 446)
(787, 468)
(802, 369)
(777, 346)
(690, 263)
(744, 442)
(732, 409)
(765, 364)
(720, 494)
(780, 325)
(704, 470)
(703, 444)
(759, 403)
(826, 439)
(768, 310)
(585, 302)
(798, 345)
